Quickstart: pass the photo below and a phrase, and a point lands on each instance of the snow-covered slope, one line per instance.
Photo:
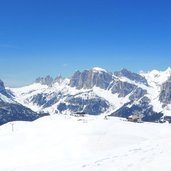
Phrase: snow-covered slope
(156, 79)
(86, 144)
(11, 110)
(23, 93)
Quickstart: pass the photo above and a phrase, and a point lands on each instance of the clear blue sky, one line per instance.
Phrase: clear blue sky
(40, 37)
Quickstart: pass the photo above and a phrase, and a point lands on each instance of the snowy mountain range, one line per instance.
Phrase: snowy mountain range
(11, 110)
(93, 92)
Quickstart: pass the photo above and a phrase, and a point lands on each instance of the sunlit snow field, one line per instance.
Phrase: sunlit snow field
(63, 143)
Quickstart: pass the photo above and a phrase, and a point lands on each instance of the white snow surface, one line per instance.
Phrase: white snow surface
(21, 94)
(155, 77)
(84, 144)
(6, 99)
(98, 69)
(113, 99)
(155, 80)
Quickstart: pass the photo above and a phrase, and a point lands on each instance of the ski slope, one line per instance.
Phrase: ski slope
(68, 143)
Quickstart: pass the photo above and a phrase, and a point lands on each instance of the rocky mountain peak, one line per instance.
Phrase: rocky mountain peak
(90, 78)
(58, 79)
(48, 80)
(165, 95)
(131, 75)
(3, 91)
(1, 85)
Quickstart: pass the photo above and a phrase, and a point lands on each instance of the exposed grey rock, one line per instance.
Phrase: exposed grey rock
(144, 100)
(167, 118)
(58, 79)
(3, 91)
(89, 78)
(39, 99)
(48, 80)
(132, 76)
(16, 112)
(62, 107)
(122, 88)
(2, 88)
(93, 106)
(1, 85)
(165, 95)
(144, 110)
(45, 100)
(137, 94)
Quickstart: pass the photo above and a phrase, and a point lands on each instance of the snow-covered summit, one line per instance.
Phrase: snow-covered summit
(157, 77)
(98, 69)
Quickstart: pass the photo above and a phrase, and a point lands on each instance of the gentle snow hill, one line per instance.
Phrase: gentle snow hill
(86, 144)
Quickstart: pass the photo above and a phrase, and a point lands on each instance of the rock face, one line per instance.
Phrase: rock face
(144, 110)
(58, 79)
(45, 100)
(132, 76)
(165, 95)
(1, 85)
(3, 91)
(137, 94)
(16, 112)
(122, 88)
(92, 106)
(90, 78)
(48, 80)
